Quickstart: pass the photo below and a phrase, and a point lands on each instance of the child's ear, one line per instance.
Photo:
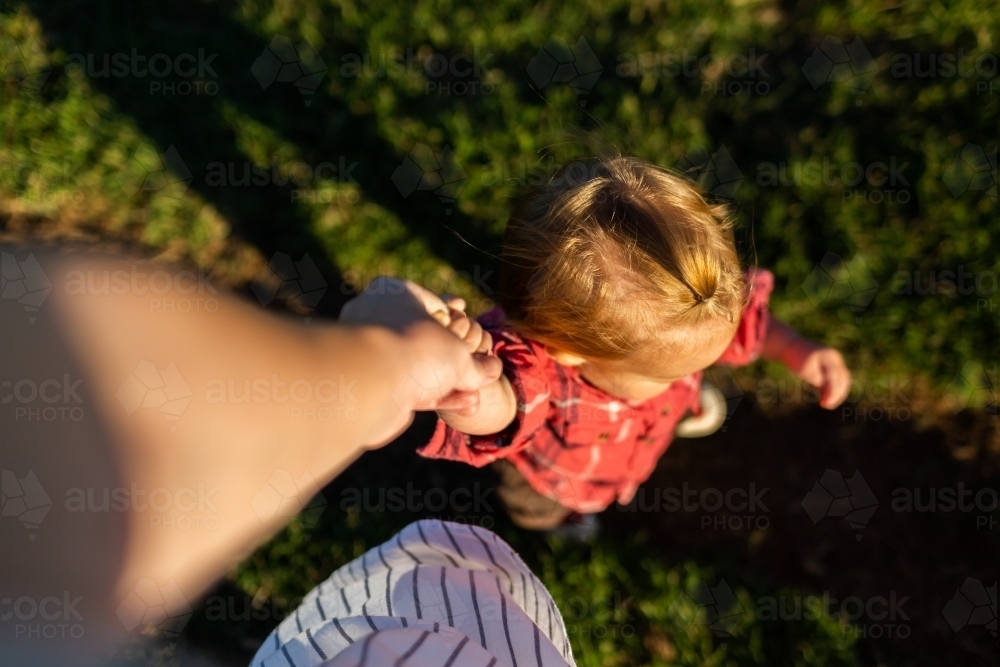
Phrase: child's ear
(566, 358)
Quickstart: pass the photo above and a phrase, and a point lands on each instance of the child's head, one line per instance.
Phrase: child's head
(624, 266)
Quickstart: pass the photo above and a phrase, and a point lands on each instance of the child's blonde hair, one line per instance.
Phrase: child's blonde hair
(612, 252)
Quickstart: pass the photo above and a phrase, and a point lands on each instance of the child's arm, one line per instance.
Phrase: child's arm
(495, 410)
(819, 365)
(493, 407)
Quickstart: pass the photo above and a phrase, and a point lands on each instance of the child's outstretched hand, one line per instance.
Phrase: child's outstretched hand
(477, 340)
(824, 368)
(821, 366)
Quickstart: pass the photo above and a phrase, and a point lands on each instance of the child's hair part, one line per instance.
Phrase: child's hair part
(612, 252)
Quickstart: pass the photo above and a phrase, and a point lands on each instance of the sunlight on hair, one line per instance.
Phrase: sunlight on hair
(614, 251)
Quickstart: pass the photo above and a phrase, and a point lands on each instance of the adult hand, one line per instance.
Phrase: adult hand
(441, 372)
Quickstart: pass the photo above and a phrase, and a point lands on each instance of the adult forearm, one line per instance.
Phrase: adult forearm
(205, 430)
(261, 410)
(152, 444)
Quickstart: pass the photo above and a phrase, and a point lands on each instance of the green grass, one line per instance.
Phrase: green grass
(78, 149)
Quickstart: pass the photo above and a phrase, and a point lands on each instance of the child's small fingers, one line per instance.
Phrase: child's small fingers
(842, 386)
(455, 302)
(474, 335)
(460, 326)
(824, 394)
(836, 385)
(485, 343)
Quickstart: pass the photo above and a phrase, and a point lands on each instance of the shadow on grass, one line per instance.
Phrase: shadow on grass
(918, 558)
(924, 556)
(196, 124)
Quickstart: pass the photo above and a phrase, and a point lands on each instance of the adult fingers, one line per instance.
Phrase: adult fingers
(461, 402)
(394, 303)
(460, 325)
(485, 343)
(480, 370)
(431, 302)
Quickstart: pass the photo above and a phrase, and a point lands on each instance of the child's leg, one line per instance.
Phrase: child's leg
(526, 507)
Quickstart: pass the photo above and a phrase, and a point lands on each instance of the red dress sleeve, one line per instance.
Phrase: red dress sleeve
(749, 339)
(525, 365)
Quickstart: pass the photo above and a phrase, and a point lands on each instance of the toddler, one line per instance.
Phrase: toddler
(617, 289)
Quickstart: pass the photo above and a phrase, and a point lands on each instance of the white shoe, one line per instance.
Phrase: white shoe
(577, 528)
(713, 414)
